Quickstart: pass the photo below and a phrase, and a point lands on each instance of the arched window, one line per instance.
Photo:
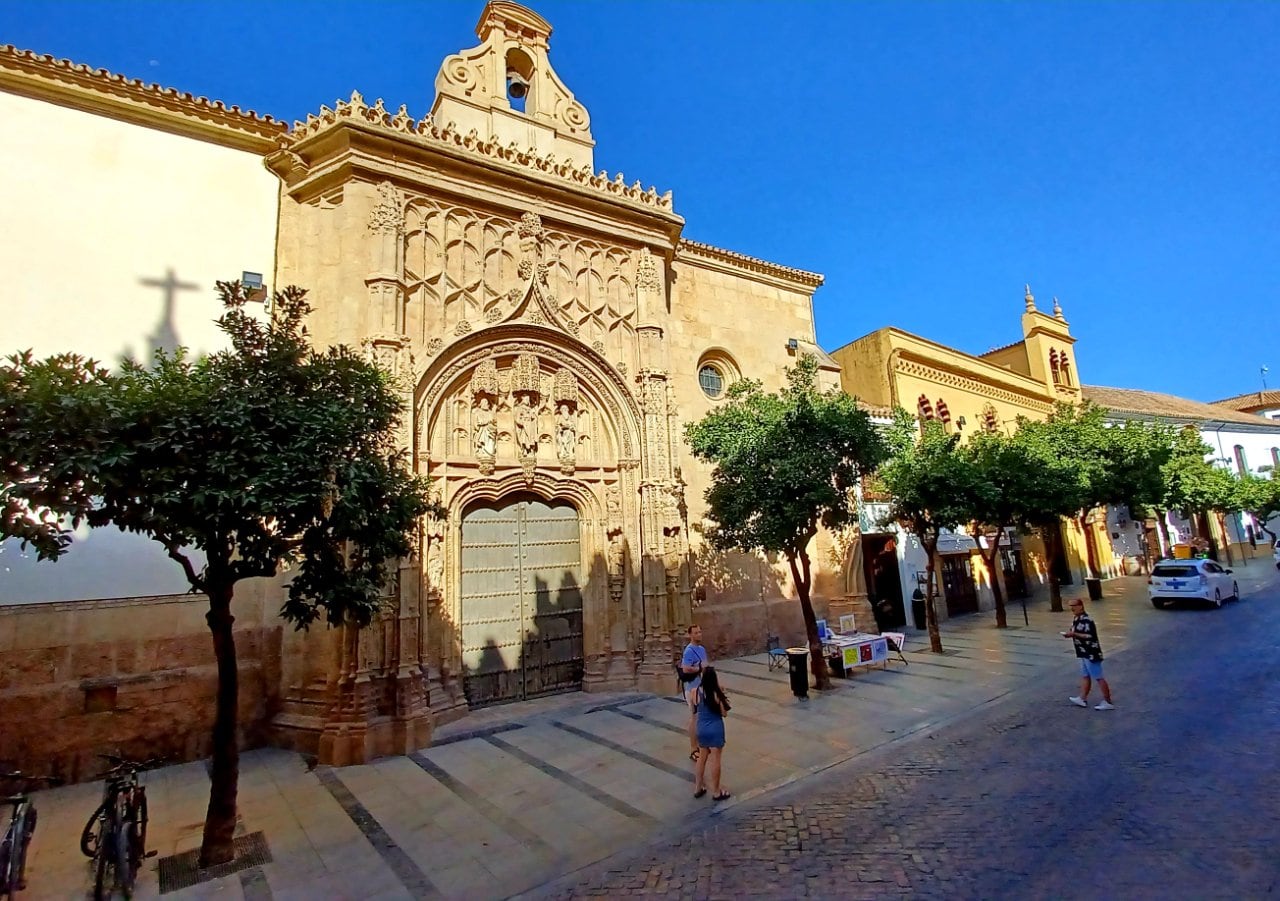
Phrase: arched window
(1275, 462)
(1242, 464)
(1064, 365)
(1053, 366)
(924, 409)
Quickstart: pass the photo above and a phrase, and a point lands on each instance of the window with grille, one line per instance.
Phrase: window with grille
(711, 380)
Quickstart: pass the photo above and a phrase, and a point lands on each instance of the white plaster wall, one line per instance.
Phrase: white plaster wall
(92, 209)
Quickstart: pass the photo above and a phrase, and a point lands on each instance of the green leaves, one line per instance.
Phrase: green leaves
(933, 483)
(784, 462)
(267, 453)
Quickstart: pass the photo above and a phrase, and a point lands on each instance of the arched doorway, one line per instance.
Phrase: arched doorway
(521, 600)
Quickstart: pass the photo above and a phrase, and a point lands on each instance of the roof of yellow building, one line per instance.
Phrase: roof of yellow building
(1153, 403)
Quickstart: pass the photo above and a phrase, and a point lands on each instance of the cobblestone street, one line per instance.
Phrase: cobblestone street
(1173, 795)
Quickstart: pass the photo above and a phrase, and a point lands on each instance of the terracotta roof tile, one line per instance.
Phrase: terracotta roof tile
(1153, 403)
(1251, 400)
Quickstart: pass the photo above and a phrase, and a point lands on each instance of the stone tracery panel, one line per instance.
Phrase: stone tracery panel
(458, 265)
(595, 285)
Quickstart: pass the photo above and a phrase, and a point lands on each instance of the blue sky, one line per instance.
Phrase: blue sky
(928, 157)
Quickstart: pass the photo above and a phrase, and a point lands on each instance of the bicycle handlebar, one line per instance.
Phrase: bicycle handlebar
(122, 765)
(17, 776)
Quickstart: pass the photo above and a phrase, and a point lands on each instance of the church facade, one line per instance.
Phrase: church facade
(550, 331)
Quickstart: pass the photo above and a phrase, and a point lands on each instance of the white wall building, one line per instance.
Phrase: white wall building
(123, 204)
(1241, 442)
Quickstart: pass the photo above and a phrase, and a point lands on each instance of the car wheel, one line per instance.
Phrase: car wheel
(1217, 597)
(1157, 603)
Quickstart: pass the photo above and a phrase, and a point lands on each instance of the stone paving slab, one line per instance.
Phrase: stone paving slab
(576, 779)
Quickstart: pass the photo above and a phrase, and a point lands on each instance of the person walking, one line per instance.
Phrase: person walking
(692, 663)
(712, 707)
(1084, 634)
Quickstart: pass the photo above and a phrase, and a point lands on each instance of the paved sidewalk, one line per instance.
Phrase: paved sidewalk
(514, 798)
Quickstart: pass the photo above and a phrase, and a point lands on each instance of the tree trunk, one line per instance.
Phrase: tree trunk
(1002, 620)
(1052, 549)
(817, 663)
(1090, 546)
(930, 612)
(220, 820)
(1226, 536)
(1162, 523)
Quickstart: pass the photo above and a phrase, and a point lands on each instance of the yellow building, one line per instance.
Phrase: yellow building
(969, 393)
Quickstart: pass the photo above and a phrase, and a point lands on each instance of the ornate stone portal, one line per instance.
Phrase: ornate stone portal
(523, 327)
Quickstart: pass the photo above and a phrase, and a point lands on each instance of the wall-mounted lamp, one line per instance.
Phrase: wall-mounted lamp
(792, 344)
(961, 423)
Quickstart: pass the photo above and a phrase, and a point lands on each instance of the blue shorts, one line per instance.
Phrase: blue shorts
(1091, 668)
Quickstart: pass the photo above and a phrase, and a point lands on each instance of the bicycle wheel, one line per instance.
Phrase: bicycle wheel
(89, 835)
(126, 863)
(7, 878)
(142, 823)
(101, 888)
(19, 865)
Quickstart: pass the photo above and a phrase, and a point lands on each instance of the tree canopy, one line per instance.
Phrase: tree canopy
(270, 454)
(933, 486)
(785, 464)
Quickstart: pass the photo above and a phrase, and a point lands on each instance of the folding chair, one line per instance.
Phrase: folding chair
(777, 653)
(895, 641)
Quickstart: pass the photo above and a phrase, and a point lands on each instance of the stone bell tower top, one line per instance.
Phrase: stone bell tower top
(505, 88)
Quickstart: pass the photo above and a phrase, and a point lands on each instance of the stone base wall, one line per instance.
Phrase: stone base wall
(734, 628)
(135, 677)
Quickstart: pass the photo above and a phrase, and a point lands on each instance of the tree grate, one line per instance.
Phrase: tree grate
(183, 871)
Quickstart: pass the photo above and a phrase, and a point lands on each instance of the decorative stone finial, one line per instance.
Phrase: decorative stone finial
(1057, 310)
(1031, 301)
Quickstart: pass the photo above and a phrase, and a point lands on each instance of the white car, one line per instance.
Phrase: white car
(1203, 580)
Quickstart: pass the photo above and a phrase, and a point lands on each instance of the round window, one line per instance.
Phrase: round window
(711, 380)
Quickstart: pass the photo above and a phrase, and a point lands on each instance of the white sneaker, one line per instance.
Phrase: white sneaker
(1105, 705)
(1079, 702)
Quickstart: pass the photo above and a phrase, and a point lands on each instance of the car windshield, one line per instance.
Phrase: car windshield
(1167, 571)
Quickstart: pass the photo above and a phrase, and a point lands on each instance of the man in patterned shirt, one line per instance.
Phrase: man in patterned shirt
(1084, 634)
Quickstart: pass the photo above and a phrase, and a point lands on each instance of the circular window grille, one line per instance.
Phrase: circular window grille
(711, 380)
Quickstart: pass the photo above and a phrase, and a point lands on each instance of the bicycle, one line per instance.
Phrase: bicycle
(115, 835)
(17, 835)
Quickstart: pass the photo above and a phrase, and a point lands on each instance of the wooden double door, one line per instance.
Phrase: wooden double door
(957, 584)
(521, 601)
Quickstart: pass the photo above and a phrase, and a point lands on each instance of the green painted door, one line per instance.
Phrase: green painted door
(521, 601)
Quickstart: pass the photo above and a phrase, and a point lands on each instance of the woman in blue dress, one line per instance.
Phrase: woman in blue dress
(712, 707)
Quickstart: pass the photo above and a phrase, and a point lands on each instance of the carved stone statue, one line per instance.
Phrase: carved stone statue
(526, 426)
(486, 436)
(616, 563)
(435, 566)
(566, 432)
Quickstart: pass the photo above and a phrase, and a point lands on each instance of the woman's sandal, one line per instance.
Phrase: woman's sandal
(723, 796)
(699, 793)
(693, 755)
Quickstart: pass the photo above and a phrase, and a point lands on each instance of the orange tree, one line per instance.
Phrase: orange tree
(934, 486)
(785, 464)
(266, 455)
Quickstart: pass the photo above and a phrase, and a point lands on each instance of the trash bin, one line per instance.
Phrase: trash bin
(798, 663)
(1095, 589)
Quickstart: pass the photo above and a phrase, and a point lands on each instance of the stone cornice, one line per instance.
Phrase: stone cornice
(739, 263)
(1015, 391)
(78, 86)
(447, 138)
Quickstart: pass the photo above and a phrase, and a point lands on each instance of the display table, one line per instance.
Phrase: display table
(858, 649)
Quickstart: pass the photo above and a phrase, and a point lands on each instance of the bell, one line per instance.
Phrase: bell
(517, 87)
